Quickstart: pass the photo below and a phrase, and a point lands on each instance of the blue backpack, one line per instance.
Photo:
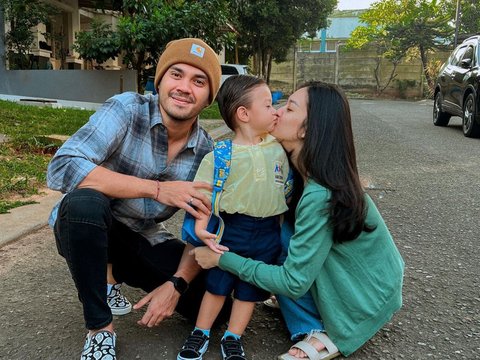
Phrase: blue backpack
(222, 157)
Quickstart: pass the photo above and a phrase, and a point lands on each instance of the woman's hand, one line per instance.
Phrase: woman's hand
(205, 257)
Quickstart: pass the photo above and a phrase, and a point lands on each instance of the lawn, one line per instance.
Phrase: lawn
(25, 155)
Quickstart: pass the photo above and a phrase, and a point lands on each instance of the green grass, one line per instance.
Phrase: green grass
(211, 112)
(24, 158)
(5, 206)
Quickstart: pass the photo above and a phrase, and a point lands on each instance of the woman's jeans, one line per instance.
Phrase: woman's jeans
(88, 237)
(301, 315)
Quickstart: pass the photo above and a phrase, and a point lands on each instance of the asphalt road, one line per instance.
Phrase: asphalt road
(425, 181)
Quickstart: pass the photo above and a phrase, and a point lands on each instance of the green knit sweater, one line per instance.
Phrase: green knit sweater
(356, 285)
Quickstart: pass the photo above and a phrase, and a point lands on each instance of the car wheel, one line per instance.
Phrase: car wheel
(440, 118)
(470, 126)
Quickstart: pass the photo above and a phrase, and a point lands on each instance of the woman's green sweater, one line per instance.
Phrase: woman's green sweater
(356, 285)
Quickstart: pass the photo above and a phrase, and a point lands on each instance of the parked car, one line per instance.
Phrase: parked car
(457, 91)
(233, 69)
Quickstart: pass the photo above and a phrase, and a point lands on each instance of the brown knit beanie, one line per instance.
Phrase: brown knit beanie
(193, 52)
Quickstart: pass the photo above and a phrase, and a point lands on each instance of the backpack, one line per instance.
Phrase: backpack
(222, 157)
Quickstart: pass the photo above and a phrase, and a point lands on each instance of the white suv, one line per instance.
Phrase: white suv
(233, 69)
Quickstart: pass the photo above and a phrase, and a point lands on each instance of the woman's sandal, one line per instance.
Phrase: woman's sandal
(329, 352)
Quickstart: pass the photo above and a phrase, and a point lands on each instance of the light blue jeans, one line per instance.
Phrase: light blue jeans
(301, 315)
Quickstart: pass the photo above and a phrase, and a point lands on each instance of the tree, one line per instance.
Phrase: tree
(373, 35)
(268, 29)
(100, 43)
(23, 16)
(145, 27)
(469, 16)
(403, 25)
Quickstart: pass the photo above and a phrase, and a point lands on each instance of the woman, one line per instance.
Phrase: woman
(342, 266)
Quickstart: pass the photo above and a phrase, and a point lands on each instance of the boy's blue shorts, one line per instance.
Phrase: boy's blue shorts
(251, 237)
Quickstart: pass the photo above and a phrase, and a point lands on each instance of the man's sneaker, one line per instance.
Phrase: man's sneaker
(117, 302)
(232, 349)
(194, 347)
(272, 302)
(100, 345)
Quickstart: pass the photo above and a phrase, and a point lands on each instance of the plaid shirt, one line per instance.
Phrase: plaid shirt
(127, 135)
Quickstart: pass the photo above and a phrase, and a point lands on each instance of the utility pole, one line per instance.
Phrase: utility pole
(457, 22)
(337, 61)
(295, 67)
(2, 36)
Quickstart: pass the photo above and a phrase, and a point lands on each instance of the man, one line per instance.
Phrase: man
(127, 170)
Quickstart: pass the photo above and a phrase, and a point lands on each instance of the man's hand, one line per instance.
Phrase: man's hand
(185, 195)
(205, 257)
(161, 304)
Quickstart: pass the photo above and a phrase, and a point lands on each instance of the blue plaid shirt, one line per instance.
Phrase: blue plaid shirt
(127, 135)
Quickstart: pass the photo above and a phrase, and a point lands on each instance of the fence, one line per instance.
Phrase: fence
(75, 85)
(353, 70)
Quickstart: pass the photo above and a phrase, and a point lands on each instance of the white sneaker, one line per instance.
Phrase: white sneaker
(99, 346)
(272, 302)
(117, 302)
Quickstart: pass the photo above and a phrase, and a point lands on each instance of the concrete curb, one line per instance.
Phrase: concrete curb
(26, 219)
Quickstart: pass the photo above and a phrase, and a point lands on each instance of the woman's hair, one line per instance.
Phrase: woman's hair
(235, 92)
(328, 157)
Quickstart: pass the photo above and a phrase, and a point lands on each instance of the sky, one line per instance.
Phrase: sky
(353, 4)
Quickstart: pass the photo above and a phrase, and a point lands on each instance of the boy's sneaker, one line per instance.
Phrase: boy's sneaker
(100, 345)
(232, 349)
(194, 347)
(117, 302)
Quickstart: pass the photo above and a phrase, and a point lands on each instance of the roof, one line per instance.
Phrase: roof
(341, 28)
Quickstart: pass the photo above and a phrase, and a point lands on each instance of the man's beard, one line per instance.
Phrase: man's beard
(178, 114)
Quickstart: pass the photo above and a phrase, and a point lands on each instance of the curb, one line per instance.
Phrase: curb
(26, 219)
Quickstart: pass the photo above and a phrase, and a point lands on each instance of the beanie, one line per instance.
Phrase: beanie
(193, 52)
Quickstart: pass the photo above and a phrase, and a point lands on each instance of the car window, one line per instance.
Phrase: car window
(457, 56)
(229, 70)
(468, 54)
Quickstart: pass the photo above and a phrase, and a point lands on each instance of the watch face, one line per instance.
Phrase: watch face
(179, 283)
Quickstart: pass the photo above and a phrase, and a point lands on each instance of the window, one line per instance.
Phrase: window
(457, 56)
(229, 70)
(468, 54)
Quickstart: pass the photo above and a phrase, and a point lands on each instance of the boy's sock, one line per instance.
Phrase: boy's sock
(229, 333)
(109, 288)
(205, 331)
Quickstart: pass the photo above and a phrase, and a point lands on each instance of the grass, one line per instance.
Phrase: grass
(26, 154)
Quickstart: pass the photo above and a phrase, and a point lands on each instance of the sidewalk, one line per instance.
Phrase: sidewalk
(25, 219)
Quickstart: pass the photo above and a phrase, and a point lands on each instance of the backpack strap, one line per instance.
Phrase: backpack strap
(222, 155)
(288, 186)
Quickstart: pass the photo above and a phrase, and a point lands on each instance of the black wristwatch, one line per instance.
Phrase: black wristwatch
(179, 283)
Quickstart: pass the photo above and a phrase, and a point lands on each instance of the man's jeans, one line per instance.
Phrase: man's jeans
(88, 237)
(301, 315)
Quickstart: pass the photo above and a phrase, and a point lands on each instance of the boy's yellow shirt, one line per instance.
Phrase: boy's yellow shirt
(255, 186)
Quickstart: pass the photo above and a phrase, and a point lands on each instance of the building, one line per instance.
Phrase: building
(52, 45)
(341, 24)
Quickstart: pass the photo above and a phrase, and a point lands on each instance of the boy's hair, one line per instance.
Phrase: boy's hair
(235, 92)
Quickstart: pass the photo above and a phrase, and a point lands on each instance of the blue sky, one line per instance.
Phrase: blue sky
(353, 4)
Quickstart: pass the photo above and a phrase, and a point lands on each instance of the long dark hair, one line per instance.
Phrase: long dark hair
(328, 157)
